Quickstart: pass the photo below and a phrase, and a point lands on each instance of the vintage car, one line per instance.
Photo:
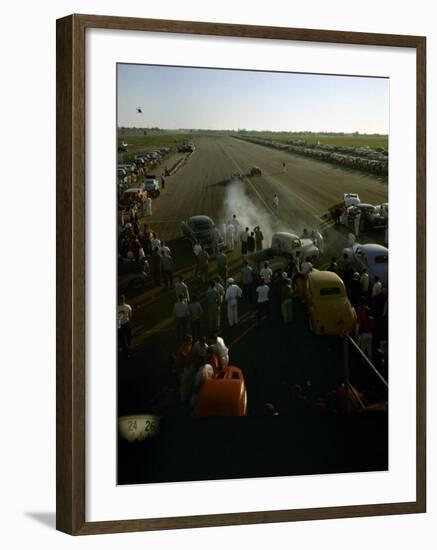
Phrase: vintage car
(373, 257)
(223, 395)
(201, 229)
(255, 171)
(371, 216)
(351, 199)
(328, 306)
(130, 195)
(151, 185)
(285, 244)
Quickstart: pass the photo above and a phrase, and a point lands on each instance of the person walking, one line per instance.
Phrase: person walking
(283, 167)
(236, 224)
(259, 237)
(181, 314)
(222, 265)
(196, 314)
(244, 236)
(203, 263)
(233, 292)
(162, 182)
(275, 203)
(213, 305)
(148, 206)
(124, 316)
(181, 288)
(318, 240)
(287, 300)
(247, 281)
(262, 292)
(167, 267)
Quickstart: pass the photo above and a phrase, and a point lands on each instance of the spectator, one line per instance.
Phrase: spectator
(164, 248)
(287, 301)
(230, 235)
(263, 301)
(244, 236)
(155, 242)
(364, 330)
(203, 263)
(181, 313)
(251, 243)
(199, 350)
(124, 316)
(213, 303)
(236, 224)
(218, 346)
(222, 265)
(297, 262)
(155, 260)
(306, 267)
(333, 265)
(247, 281)
(364, 281)
(259, 237)
(233, 292)
(266, 273)
(355, 290)
(184, 355)
(148, 206)
(182, 288)
(167, 269)
(196, 313)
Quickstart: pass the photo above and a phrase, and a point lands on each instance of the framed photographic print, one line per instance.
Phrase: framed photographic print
(234, 343)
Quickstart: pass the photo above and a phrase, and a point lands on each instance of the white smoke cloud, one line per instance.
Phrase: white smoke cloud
(252, 211)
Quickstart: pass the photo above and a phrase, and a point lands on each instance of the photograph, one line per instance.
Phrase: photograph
(252, 290)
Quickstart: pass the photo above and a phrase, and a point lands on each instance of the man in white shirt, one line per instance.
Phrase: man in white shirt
(181, 313)
(306, 267)
(182, 289)
(217, 344)
(233, 292)
(262, 292)
(124, 316)
(266, 273)
(230, 236)
(164, 248)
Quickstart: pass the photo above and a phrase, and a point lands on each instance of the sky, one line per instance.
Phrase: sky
(219, 99)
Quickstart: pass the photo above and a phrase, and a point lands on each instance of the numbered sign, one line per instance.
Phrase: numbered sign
(137, 427)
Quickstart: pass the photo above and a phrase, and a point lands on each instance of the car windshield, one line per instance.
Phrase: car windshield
(381, 259)
(329, 291)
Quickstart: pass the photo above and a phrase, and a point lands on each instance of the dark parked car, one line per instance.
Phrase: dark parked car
(201, 229)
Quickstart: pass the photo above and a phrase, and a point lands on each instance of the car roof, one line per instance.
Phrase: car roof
(200, 218)
(285, 234)
(373, 249)
(324, 278)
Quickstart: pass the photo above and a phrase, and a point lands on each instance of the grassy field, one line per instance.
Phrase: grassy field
(348, 140)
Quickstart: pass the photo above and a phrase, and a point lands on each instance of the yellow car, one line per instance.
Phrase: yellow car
(329, 309)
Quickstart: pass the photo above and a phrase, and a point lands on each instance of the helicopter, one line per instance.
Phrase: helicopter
(139, 110)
